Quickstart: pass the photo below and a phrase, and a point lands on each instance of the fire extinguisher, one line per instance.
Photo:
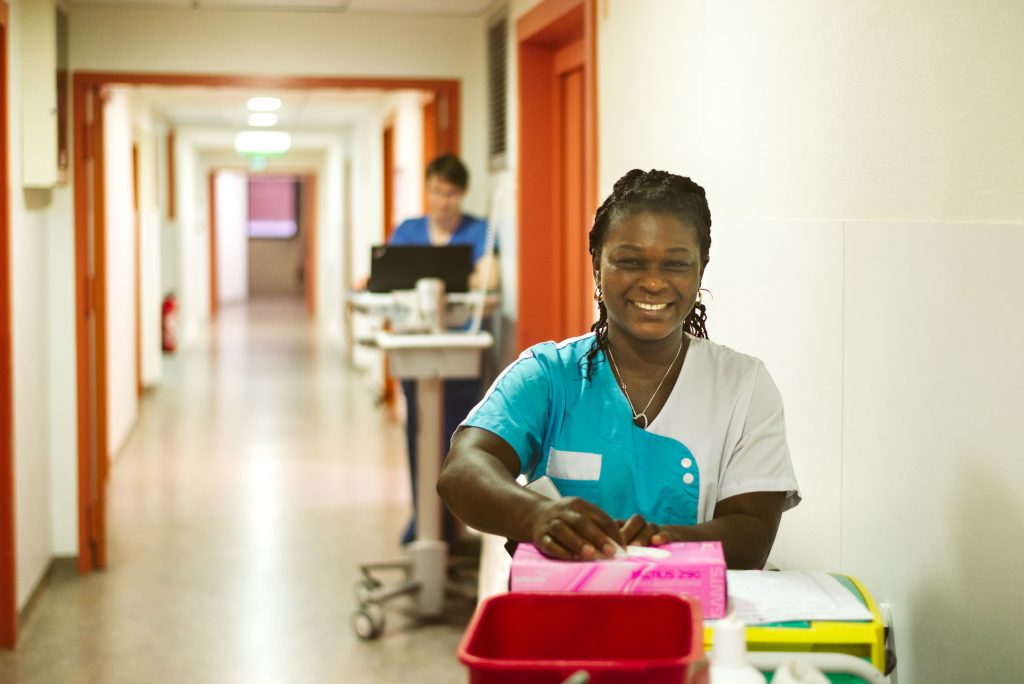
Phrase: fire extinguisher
(169, 322)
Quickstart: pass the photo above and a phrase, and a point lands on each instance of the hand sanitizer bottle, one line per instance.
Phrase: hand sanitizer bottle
(729, 655)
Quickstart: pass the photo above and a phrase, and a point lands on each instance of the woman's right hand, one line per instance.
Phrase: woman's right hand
(571, 528)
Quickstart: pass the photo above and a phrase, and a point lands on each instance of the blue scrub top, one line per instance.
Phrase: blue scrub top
(581, 434)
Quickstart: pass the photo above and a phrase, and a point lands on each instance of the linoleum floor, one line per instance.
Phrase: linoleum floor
(255, 479)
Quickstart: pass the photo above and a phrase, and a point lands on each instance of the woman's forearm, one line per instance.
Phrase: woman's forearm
(746, 540)
(745, 524)
(480, 491)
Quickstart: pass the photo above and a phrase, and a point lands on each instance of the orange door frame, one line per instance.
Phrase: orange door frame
(388, 394)
(91, 322)
(93, 446)
(8, 541)
(545, 36)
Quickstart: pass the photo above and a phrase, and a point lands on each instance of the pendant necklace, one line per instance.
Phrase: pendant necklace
(640, 419)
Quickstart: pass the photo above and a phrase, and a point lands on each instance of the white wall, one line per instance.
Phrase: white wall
(32, 480)
(149, 139)
(407, 109)
(332, 280)
(122, 397)
(30, 219)
(192, 241)
(365, 151)
(61, 347)
(232, 211)
(931, 444)
(863, 166)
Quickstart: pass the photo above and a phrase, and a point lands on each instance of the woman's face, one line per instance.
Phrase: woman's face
(444, 201)
(649, 271)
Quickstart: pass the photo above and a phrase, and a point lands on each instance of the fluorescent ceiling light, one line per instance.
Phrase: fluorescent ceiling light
(264, 104)
(263, 142)
(262, 119)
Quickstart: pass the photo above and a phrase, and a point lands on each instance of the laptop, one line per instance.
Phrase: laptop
(398, 267)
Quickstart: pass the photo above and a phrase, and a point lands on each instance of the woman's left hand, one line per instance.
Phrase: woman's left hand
(638, 532)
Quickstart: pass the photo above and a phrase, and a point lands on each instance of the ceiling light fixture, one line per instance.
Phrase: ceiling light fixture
(264, 104)
(263, 142)
(262, 119)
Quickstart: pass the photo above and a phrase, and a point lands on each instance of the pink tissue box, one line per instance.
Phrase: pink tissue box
(693, 568)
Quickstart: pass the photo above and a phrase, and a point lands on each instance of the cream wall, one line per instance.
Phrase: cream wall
(191, 239)
(147, 138)
(63, 366)
(863, 166)
(406, 110)
(332, 281)
(122, 398)
(232, 210)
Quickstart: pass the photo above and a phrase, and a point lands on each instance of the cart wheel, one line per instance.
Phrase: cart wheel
(363, 587)
(367, 623)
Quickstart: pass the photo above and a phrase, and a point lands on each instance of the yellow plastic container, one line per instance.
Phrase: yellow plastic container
(861, 639)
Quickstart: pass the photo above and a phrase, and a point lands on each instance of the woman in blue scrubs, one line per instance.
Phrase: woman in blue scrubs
(651, 432)
(447, 180)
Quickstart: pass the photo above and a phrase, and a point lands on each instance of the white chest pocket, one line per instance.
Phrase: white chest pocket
(574, 465)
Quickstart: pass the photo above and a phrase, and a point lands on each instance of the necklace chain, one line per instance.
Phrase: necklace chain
(643, 413)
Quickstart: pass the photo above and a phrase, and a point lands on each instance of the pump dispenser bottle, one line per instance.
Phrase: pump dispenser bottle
(729, 655)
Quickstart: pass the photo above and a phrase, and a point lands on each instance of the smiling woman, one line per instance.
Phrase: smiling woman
(650, 432)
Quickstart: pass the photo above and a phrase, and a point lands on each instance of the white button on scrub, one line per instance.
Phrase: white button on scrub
(688, 478)
(686, 462)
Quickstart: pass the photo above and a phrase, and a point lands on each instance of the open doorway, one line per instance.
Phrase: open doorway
(277, 232)
(262, 237)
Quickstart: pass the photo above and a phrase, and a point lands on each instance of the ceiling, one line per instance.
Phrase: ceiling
(226, 106)
(450, 8)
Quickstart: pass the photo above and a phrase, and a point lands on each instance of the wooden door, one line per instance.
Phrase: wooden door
(576, 280)
(557, 169)
(90, 265)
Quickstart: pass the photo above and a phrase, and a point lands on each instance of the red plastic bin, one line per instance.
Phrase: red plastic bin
(546, 637)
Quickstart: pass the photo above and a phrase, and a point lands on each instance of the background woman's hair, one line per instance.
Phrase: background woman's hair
(654, 192)
(450, 168)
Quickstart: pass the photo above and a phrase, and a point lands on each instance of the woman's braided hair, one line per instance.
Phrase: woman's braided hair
(654, 192)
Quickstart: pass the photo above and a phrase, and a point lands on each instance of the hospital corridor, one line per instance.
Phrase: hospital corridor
(327, 326)
(253, 483)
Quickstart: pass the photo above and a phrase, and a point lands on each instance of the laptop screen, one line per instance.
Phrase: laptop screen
(398, 267)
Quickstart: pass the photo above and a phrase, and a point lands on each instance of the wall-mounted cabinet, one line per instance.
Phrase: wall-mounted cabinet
(43, 63)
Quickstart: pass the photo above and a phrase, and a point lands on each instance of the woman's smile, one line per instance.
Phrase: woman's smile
(652, 306)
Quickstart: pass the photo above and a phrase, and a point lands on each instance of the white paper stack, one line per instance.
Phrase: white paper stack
(757, 597)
